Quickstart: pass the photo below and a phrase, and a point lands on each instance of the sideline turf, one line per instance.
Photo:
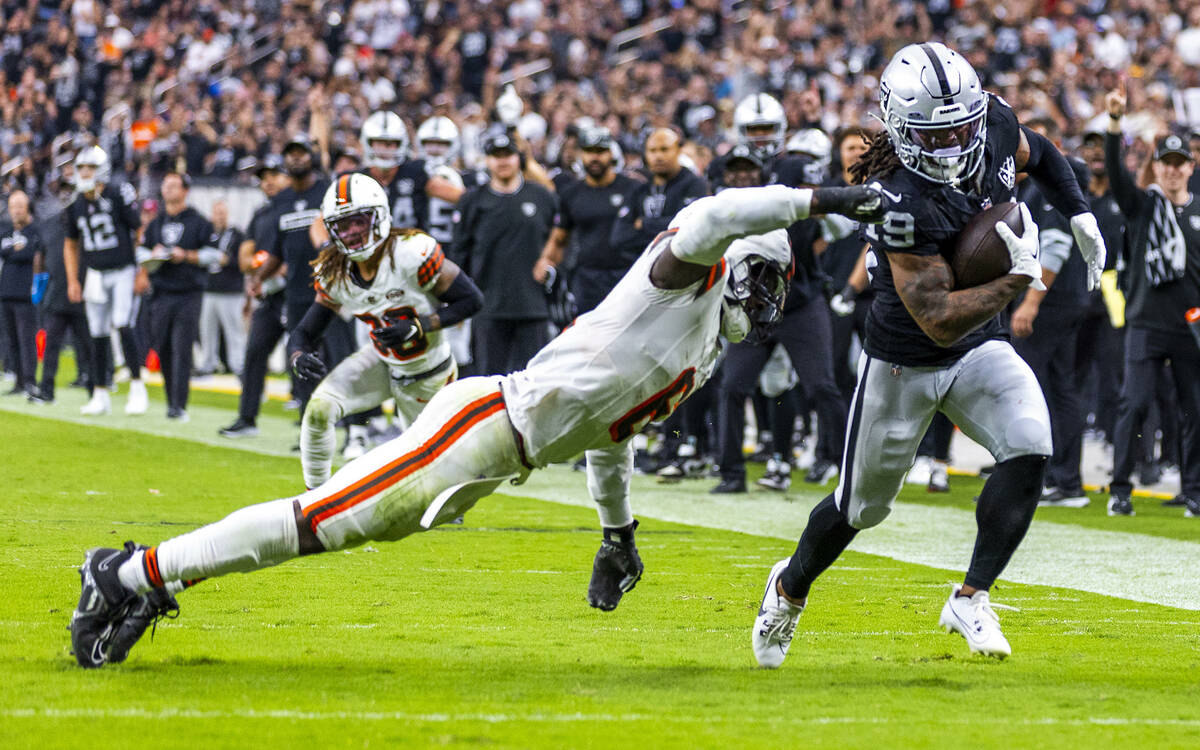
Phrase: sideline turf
(480, 636)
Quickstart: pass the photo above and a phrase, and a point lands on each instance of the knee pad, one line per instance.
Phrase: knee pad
(1027, 435)
(322, 411)
(866, 516)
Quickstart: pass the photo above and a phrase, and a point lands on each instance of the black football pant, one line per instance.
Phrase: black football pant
(20, 329)
(266, 329)
(1101, 361)
(174, 329)
(1146, 351)
(591, 285)
(1051, 352)
(58, 322)
(806, 335)
(504, 345)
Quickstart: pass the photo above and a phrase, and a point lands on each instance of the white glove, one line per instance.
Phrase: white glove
(1023, 250)
(509, 106)
(1091, 246)
(841, 305)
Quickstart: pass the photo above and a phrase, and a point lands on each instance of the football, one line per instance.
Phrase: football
(980, 255)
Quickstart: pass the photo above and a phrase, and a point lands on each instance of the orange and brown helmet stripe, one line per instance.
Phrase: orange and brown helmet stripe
(343, 190)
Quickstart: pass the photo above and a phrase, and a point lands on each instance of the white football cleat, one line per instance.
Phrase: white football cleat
(776, 622)
(356, 446)
(920, 471)
(100, 403)
(136, 402)
(975, 619)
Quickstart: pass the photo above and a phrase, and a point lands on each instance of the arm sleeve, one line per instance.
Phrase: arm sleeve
(1125, 190)
(1053, 172)
(463, 299)
(708, 226)
(307, 334)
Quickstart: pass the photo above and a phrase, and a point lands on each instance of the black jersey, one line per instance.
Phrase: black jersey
(104, 227)
(285, 235)
(226, 278)
(187, 230)
(589, 212)
(406, 191)
(925, 218)
(653, 206)
(18, 248)
(498, 237)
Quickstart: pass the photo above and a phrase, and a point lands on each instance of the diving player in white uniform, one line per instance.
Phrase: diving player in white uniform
(720, 268)
(400, 284)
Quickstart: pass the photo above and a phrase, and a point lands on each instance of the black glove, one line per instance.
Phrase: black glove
(399, 333)
(308, 366)
(862, 203)
(616, 569)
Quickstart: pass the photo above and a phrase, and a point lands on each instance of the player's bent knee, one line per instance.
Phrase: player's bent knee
(1028, 436)
(322, 411)
(866, 516)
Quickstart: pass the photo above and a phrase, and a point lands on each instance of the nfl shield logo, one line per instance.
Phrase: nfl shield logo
(528, 209)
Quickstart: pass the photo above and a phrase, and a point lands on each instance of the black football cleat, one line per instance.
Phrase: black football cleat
(616, 569)
(127, 629)
(730, 486)
(102, 600)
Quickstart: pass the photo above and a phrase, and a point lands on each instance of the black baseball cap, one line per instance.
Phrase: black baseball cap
(743, 152)
(496, 142)
(1171, 144)
(595, 139)
(300, 140)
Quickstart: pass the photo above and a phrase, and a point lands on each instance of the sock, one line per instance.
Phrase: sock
(255, 537)
(1005, 510)
(101, 361)
(129, 350)
(823, 541)
(318, 441)
(608, 473)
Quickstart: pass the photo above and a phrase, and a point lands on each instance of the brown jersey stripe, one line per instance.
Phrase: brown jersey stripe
(393, 472)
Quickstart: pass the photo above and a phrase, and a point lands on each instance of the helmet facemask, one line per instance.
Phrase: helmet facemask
(945, 153)
(757, 288)
(358, 232)
(384, 153)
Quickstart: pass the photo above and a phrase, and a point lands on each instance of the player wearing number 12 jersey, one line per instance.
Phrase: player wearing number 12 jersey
(399, 283)
(720, 268)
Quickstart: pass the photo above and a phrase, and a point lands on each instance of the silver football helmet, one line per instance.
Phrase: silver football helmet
(384, 140)
(813, 143)
(935, 112)
(92, 156)
(764, 113)
(437, 141)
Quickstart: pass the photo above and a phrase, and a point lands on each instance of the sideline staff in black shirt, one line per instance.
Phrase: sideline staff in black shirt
(650, 208)
(20, 245)
(499, 232)
(179, 242)
(1163, 281)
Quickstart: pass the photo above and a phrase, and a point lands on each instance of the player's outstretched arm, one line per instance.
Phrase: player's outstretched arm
(707, 227)
(925, 283)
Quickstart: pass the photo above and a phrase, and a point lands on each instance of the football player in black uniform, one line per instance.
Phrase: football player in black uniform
(949, 150)
(100, 227)
(385, 143)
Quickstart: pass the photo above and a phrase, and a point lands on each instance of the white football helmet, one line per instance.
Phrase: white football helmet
(935, 112)
(357, 215)
(92, 156)
(384, 140)
(442, 134)
(761, 111)
(813, 142)
(760, 267)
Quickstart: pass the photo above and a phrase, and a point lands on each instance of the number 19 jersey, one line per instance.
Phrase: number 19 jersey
(402, 289)
(628, 362)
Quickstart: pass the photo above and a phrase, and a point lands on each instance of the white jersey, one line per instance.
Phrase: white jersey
(643, 350)
(402, 288)
(628, 362)
(441, 212)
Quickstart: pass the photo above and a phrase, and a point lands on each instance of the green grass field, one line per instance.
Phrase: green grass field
(479, 635)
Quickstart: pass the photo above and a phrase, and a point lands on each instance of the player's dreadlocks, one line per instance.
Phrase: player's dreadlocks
(332, 266)
(880, 160)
